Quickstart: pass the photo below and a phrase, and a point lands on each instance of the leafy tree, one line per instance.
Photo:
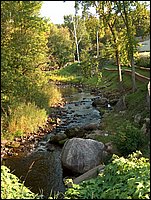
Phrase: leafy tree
(124, 9)
(23, 48)
(141, 19)
(114, 15)
(23, 44)
(79, 35)
(92, 27)
(60, 45)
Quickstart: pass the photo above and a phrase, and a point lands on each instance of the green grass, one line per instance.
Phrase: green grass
(70, 73)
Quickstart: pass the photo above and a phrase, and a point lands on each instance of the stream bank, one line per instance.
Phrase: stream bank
(40, 166)
(36, 166)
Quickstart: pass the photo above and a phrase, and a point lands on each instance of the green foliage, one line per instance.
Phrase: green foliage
(23, 50)
(12, 188)
(128, 138)
(60, 45)
(123, 178)
(143, 61)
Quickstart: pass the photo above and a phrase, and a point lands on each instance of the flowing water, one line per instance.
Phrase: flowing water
(41, 169)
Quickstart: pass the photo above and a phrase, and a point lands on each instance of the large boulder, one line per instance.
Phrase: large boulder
(80, 155)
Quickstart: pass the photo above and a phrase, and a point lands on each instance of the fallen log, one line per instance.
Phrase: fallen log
(92, 173)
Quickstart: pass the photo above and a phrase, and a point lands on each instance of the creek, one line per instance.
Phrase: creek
(41, 168)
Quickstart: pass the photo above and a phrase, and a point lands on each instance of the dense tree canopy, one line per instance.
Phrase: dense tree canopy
(60, 45)
(23, 47)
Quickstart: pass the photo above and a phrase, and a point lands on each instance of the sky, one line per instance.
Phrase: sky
(55, 10)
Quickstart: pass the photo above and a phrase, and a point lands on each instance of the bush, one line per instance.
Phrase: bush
(124, 178)
(128, 138)
(12, 188)
(143, 61)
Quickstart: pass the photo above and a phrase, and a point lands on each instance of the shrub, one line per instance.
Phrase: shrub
(12, 188)
(128, 138)
(123, 178)
(143, 61)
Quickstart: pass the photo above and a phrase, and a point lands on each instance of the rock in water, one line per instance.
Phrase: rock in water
(80, 155)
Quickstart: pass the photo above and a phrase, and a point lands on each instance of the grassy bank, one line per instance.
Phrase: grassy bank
(107, 83)
(123, 177)
(26, 116)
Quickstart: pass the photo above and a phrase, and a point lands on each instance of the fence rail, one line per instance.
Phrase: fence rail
(129, 72)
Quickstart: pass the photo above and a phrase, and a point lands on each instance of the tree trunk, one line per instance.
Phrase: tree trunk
(117, 56)
(131, 49)
(76, 41)
(97, 43)
(134, 88)
(118, 66)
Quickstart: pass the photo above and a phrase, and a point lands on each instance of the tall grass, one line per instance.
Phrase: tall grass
(28, 115)
(26, 118)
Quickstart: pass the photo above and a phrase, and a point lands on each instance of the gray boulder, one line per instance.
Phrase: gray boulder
(80, 155)
(121, 104)
(137, 118)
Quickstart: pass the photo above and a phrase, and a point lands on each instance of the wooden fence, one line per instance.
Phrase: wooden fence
(129, 72)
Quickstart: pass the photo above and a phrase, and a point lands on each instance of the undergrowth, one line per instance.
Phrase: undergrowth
(123, 178)
(12, 188)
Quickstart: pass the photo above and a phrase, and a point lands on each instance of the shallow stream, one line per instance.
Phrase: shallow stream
(41, 168)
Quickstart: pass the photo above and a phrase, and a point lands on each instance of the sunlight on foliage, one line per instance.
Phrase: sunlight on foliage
(12, 188)
(123, 178)
(26, 118)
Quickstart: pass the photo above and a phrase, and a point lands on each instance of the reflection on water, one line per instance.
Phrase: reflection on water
(41, 171)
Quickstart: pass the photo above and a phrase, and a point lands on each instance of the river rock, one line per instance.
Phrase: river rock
(121, 105)
(101, 102)
(95, 134)
(80, 155)
(146, 126)
(137, 118)
(75, 132)
(113, 102)
(91, 126)
(58, 137)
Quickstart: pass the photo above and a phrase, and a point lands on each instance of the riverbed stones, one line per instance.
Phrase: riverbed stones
(58, 137)
(75, 132)
(80, 155)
